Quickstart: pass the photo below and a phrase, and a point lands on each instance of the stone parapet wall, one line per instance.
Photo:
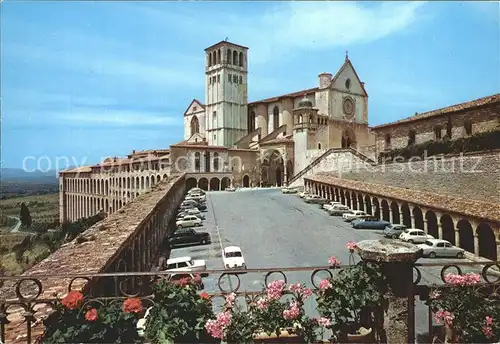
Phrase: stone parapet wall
(125, 241)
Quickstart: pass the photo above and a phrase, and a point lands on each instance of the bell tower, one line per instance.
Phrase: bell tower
(226, 93)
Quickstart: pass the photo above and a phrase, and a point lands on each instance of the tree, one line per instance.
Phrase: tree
(25, 215)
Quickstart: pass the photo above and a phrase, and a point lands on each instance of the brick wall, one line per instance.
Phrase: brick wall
(482, 119)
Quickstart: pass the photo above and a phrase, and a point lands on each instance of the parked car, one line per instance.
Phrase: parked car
(201, 207)
(231, 189)
(232, 258)
(196, 197)
(186, 264)
(304, 194)
(195, 212)
(415, 236)
(188, 221)
(353, 215)
(339, 210)
(394, 231)
(433, 248)
(288, 191)
(329, 206)
(196, 191)
(315, 199)
(184, 236)
(369, 223)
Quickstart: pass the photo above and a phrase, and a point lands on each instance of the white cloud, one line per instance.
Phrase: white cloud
(295, 26)
(119, 117)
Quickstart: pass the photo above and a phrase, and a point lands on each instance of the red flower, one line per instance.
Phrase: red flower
(184, 281)
(73, 300)
(132, 305)
(204, 295)
(91, 315)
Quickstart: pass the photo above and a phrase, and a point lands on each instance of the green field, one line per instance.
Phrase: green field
(43, 208)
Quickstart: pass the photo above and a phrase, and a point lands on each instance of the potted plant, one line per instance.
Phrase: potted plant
(179, 313)
(349, 297)
(470, 313)
(283, 321)
(76, 321)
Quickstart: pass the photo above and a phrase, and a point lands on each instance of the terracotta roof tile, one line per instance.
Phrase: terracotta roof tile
(468, 207)
(450, 109)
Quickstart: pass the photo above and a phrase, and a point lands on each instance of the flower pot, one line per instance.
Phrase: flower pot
(364, 336)
(284, 337)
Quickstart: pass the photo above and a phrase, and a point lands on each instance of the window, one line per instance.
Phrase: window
(215, 137)
(207, 161)
(182, 265)
(228, 56)
(209, 59)
(213, 79)
(229, 77)
(235, 79)
(218, 78)
(348, 83)
(195, 125)
(437, 132)
(235, 58)
(218, 56)
(387, 141)
(276, 118)
(214, 119)
(319, 145)
(300, 118)
(241, 80)
(241, 59)
(251, 122)
(216, 161)
(468, 128)
(411, 137)
(197, 161)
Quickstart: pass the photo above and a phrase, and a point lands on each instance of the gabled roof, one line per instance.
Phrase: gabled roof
(344, 66)
(288, 95)
(194, 101)
(450, 109)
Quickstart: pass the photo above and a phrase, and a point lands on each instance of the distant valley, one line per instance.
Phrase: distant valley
(18, 182)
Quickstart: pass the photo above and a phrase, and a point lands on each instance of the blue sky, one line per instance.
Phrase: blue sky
(86, 80)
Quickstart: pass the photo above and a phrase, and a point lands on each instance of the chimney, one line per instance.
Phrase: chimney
(133, 151)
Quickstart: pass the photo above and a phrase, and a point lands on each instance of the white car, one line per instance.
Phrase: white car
(186, 264)
(196, 197)
(232, 258)
(288, 190)
(304, 194)
(353, 215)
(196, 212)
(188, 221)
(415, 236)
(230, 188)
(329, 206)
(196, 191)
(433, 248)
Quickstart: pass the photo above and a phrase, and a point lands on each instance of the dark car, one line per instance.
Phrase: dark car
(394, 231)
(186, 236)
(201, 207)
(369, 223)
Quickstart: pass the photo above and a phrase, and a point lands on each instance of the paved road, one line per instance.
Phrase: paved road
(18, 224)
(276, 230)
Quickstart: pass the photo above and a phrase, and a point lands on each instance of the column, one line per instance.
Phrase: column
(440, 230)
(476, 245)
(412, 217)
(426, 227)
(457, 237)
(396, 263)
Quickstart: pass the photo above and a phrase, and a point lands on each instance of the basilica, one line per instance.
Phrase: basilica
(276, 137)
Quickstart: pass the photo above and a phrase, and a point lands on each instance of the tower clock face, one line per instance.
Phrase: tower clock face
(348, 107)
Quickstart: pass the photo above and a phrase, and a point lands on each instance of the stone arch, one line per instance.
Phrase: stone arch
(246, 181)
(376, 205)
(152, 181)
(385, 210)
(142, 182)
(486, 240)
(448, 228)
(147, 182)
(240, 59)
(191, 183)
(396, 216)
(203, 184)
(348, 138)
(466, 235)
(432, 224)
(273, 161)
(406, 215)
(158, 178)
(215, 184)
(195, 125)
(235, 58)
(369, 207)
(165, 176)
(361, 203)
(225, 183)
(418, 218)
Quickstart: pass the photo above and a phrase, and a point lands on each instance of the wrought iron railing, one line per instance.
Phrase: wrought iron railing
(26, 300)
